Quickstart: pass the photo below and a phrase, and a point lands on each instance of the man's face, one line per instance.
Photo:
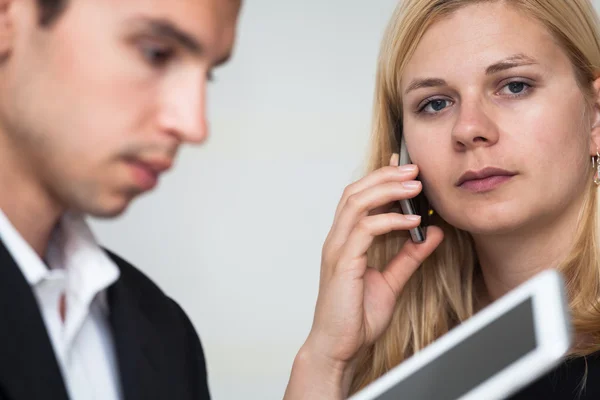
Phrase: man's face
(98, 103)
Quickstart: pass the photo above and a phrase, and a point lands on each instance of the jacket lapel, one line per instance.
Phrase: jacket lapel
(28, 366)
(137, 346)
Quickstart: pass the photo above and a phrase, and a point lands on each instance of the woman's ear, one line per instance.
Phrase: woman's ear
(595, 133)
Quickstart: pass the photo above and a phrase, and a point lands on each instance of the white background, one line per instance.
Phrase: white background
(234, 233)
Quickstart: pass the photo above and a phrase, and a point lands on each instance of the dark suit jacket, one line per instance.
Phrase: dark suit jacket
(159, 354)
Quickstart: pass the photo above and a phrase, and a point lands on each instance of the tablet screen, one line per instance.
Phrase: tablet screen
(472, 361)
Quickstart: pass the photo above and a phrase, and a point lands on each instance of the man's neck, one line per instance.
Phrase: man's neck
(509, 260)
(23, 199)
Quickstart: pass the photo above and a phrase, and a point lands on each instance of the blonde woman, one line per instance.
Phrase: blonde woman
(499, 105)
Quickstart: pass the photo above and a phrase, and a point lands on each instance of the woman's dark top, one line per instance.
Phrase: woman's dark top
(567, 381)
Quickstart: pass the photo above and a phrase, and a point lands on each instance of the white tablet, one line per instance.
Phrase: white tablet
(498, 351)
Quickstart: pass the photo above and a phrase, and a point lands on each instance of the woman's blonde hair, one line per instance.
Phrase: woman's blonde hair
(443, 291)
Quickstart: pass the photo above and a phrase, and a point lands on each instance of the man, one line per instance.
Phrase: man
(96, 97)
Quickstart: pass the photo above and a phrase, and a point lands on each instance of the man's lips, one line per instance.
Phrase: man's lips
(146, 171)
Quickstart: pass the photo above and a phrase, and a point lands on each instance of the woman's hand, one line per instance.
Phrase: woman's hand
(356, 302)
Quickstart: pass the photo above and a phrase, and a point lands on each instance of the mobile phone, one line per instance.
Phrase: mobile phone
(417, 206)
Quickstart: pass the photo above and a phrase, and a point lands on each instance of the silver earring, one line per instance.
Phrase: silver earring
(596, 166)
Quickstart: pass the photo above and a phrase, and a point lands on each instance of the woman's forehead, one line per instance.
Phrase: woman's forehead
(477, 36)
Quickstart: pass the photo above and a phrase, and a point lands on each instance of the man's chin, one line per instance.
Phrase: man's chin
(107, 214)
(109, 208)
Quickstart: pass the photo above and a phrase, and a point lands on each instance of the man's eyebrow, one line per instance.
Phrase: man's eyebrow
(164, 28)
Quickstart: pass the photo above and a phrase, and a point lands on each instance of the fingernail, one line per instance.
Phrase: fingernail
(408, 168)
(394, 159)
(411, 184)
(412, 217)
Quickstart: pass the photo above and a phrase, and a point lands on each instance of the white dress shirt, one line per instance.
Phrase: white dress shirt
(79, 269)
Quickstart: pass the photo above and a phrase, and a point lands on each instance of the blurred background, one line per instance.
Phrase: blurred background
(234, 232)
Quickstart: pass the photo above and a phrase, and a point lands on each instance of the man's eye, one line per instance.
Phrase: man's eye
(157, 55)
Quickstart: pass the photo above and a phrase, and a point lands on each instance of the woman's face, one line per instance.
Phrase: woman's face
(494, 118)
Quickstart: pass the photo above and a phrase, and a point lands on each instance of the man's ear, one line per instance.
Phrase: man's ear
(6, 28)
(595, 133)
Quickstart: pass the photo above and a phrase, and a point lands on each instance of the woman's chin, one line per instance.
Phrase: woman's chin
(481, 225)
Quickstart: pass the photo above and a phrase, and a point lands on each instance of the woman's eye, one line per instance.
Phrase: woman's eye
(515, 88)
(434, 106)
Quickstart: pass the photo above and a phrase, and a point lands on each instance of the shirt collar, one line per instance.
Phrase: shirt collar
(72, 247)
(25, 257)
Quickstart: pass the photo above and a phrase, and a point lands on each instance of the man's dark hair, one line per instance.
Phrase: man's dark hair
(50, 10)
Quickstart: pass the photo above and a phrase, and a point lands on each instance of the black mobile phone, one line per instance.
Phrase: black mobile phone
(418, 205)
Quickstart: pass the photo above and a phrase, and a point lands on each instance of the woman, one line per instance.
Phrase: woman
(499, 105)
